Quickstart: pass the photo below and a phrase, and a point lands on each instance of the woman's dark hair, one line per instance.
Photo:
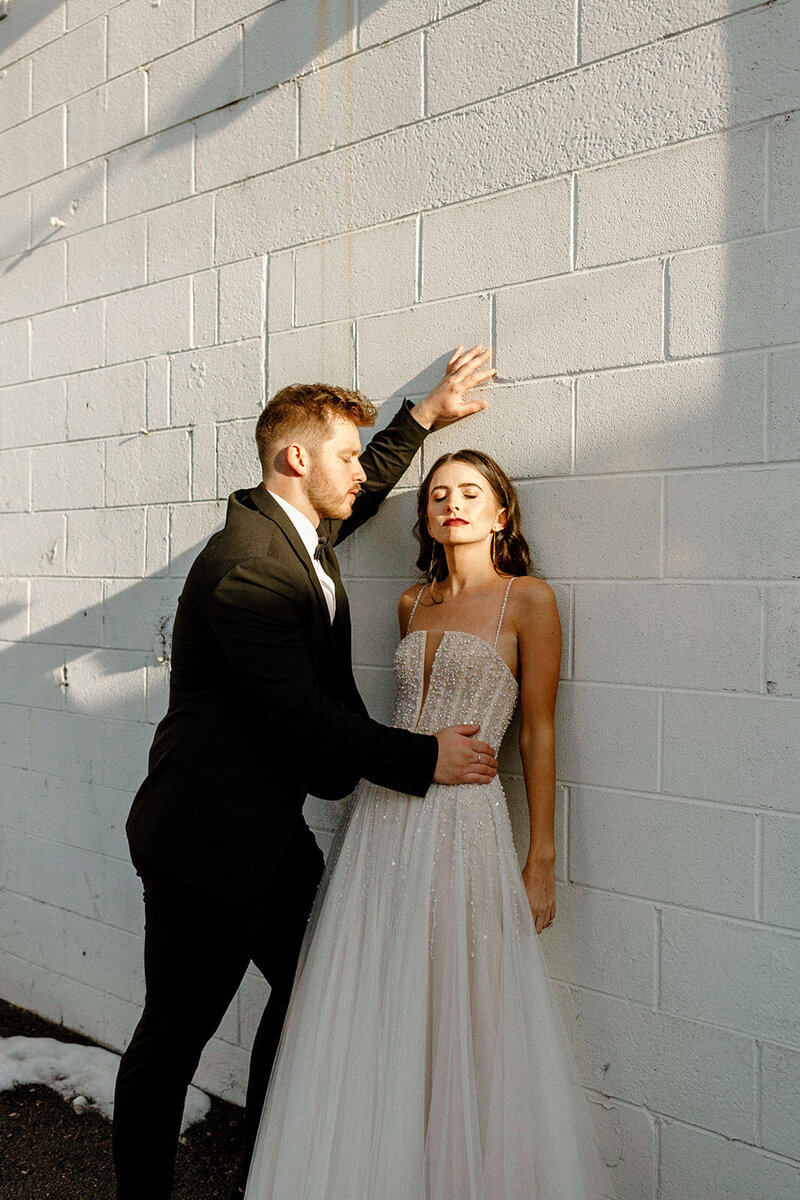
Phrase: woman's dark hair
(510, 552)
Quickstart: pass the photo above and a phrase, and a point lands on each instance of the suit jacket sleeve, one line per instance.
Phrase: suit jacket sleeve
(384, 460)
(255, 615)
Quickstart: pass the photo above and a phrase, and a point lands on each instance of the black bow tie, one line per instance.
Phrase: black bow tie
(321, 544)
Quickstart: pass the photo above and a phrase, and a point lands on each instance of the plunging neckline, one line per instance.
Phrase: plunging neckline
(426, 685)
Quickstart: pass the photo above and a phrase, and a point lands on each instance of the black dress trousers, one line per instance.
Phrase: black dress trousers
(197, 949)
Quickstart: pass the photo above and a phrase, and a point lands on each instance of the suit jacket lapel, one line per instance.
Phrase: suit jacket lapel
(264, 502)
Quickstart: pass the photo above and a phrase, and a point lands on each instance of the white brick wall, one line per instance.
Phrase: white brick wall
(256, 193)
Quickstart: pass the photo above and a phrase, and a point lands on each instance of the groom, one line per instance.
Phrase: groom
(263, 709)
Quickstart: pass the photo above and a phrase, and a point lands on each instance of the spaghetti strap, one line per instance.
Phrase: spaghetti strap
(414, 609)
(502, 611)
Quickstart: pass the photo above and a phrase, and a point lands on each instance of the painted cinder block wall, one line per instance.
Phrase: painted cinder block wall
(201, 201)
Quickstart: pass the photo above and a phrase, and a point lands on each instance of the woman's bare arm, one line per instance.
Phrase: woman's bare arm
(539, 634)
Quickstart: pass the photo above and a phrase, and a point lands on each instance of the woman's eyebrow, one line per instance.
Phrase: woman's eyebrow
(443, 486)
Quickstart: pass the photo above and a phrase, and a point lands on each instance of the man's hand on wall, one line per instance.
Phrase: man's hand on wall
(447, 403)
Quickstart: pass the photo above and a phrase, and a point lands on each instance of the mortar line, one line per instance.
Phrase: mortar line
(294, 289)
(571, 631)
(241, 58)
(657, 940)
(665, 310)
(573, 437)
(758, 899)
(748, 923)
(104, 597)
(578, 33)
(660, 744)
(573, 221)
(215, 269)
(66, 541)
(354, 341)
(658, 1156)
(440, 16)
(762, 650)
(472, 104)
(216, 462)
(424, 99)
(662, 529)
(767, 407)
(595, 369)
(565, 827)
(169, 391)
(758, 1052)
(768, 175)
(297, 139)
(463, 200)
(268, 268)
(418, 236)
(65, 244)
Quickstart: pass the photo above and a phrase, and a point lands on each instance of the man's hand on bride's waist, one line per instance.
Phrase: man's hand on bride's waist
(462, 759)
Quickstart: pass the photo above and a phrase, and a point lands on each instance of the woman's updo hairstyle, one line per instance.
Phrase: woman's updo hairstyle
(510, 552)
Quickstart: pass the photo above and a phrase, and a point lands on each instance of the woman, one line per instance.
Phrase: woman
(423, 1056)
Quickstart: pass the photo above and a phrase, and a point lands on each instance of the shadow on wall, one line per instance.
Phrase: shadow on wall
(284, 40)
(91, 686)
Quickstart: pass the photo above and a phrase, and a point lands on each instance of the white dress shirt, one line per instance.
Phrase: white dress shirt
(310, 538)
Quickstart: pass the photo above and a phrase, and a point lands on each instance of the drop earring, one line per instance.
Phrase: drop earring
(430, 571)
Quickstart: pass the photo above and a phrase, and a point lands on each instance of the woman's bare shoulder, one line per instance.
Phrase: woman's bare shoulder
(531, 599)
(408, 597)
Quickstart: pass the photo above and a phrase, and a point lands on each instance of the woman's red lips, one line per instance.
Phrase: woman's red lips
(456, 521)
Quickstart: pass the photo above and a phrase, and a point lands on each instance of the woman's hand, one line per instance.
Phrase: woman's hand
(446, 402)
(540, 884)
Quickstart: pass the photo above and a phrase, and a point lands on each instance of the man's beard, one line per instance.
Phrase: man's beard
(326, 501)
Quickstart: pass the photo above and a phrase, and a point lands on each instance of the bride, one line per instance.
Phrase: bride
(423, 1056)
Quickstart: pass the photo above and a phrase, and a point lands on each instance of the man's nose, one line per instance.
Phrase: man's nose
(360, 474)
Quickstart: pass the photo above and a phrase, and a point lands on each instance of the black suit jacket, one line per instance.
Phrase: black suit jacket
(263, 706)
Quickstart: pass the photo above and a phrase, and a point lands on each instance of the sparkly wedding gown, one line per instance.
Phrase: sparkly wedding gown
(423, 1056)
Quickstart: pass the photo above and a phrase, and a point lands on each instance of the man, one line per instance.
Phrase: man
(263, 709)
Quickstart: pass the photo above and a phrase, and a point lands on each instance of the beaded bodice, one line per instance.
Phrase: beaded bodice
(470, 684)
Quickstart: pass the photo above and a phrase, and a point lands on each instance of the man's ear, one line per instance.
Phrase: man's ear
(296, 457)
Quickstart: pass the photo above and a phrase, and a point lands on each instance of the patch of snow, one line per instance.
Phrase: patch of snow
(83, 1074)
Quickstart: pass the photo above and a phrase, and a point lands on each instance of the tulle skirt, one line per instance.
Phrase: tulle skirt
(423, 1055)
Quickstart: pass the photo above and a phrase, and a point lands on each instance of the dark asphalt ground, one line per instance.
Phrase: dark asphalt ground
(50, 1152)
